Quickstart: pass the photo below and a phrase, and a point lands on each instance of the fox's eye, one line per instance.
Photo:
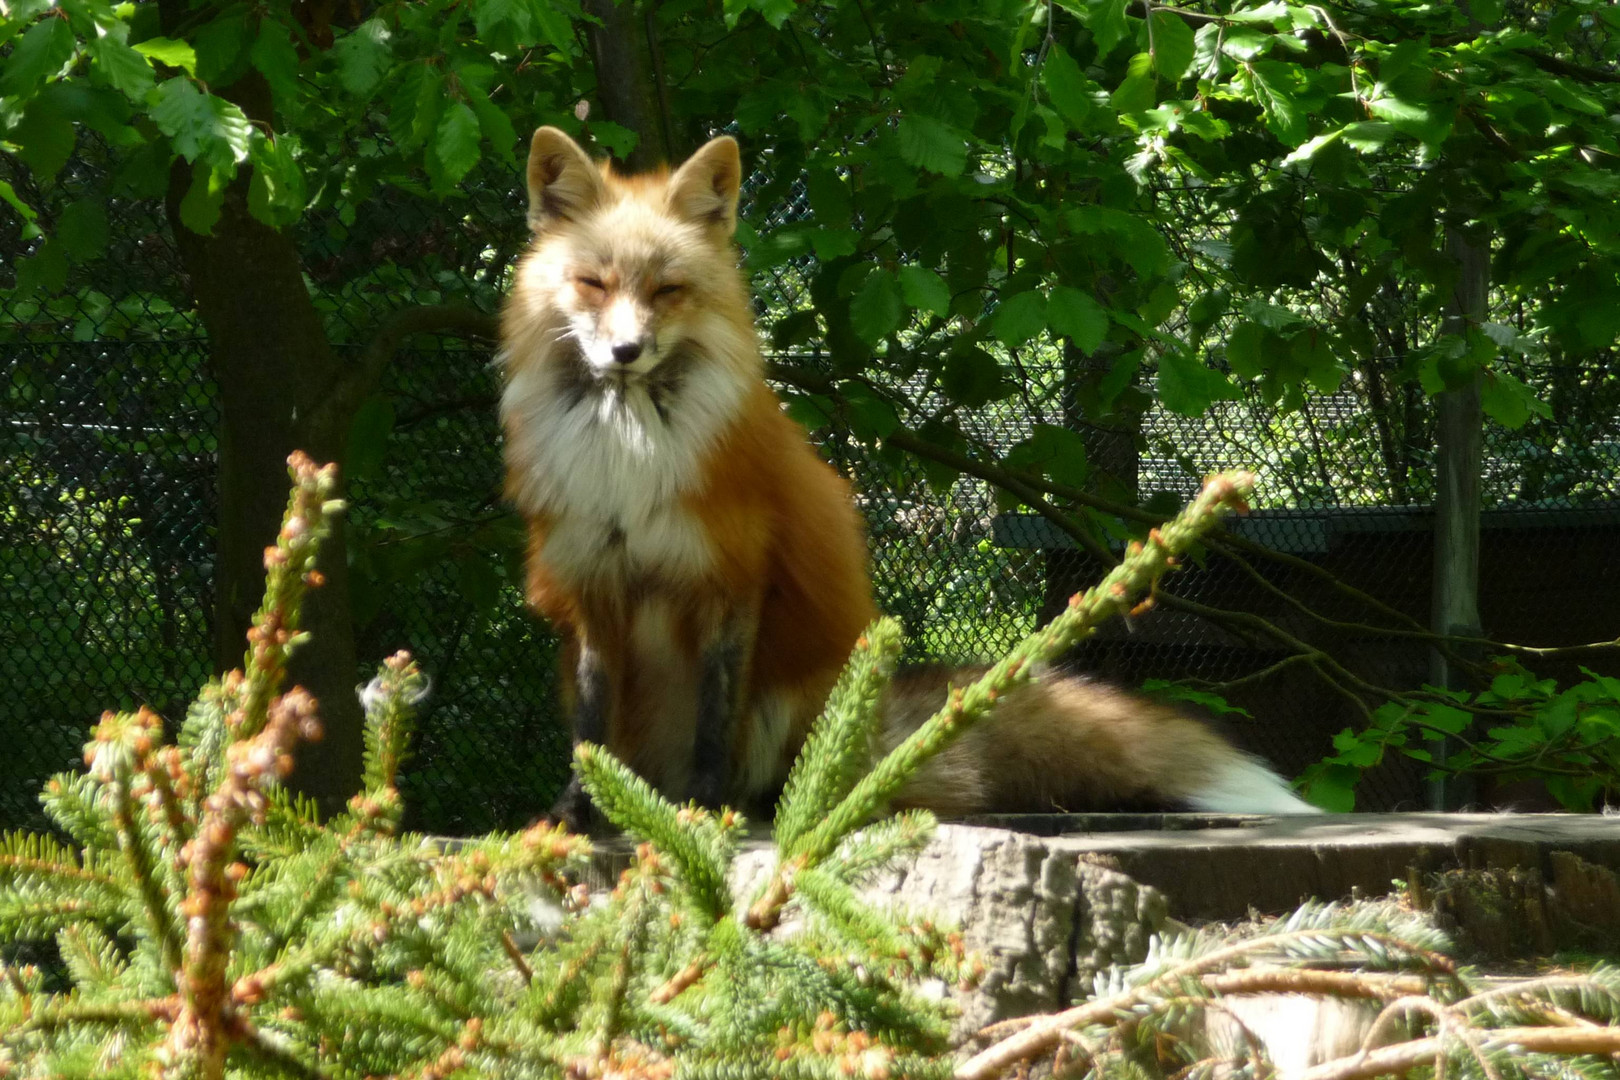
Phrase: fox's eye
(590, 282)
(668, 290)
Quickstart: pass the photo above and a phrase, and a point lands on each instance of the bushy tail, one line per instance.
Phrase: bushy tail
(1066, 744)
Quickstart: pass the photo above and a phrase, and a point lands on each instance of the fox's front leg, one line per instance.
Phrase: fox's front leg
(723, 674)
(592, 700)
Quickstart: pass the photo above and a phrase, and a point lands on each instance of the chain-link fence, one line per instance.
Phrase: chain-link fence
(107, 536)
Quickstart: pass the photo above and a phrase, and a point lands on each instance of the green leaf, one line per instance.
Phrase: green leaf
(829, 198)
(1244, 350)
(1120, 375)
(794, 328)
(1367, 136)
(811, 412)
(1019, 318)
(1077, 316)
(830, 244)
(363, 56)
(555, 27)
(199, 210)
(1272, 316)
(1510, 402)
(617, 139)
(276, 193)
(1284, 115)
(457, 144)
(1187, 387)
(1269, 12)
(490, 16)
(494, 123)
(44, 139)
(1056, 451)
(1172, 45)
(202, 127)
(932, 144)
(1450, 720)
(924, 290)
(1140, 89)
(219, 46)
(1067, 86)
(1245, 44)
(177, 54)
(124, 69)
(9, 196)
(44, 271)
(81, 229)
(1333, 788)
(870, 416)
(273, 54)
(1428, 123)
(875, 311)
(1311, 147)
(972, 378)
(41, 53)
(774, 12)
(1561, 92)
(1207, 307)
(1108, 24)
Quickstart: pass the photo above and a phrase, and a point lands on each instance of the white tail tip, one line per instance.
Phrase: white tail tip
(1243, 785)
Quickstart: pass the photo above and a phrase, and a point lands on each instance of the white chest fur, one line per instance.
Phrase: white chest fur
(610, 465)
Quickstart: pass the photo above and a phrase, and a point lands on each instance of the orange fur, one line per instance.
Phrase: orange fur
(706, 570)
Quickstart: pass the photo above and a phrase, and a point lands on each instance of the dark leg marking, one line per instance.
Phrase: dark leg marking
(717, 693)
(573, 808)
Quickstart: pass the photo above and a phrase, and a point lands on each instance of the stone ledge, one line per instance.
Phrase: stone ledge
(1050, 900)
(1220, 868)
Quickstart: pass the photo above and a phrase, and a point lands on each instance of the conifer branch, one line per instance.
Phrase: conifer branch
(388, 700)
(118, 745)
(1044, 1034)
(262, 754)
(64, 1011)
(687, 835)
(1115, 594)
(289, 572)
(840, 744)
(682, 980)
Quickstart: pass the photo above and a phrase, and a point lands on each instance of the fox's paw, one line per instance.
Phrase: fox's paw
(708, 791)
(574, 809)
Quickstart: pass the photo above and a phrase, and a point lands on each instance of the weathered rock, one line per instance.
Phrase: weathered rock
(1518, 911)
(1043, 917)
(1046, 912)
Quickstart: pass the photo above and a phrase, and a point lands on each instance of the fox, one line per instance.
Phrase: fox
(705, 570)
(1064, 743)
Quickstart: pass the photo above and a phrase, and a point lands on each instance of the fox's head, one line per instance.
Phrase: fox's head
(633, 270)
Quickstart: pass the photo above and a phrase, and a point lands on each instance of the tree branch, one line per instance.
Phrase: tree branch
(1549, 63)
(1402, 1056)
(352, 387)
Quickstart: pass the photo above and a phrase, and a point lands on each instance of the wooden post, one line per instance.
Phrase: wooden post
(1459, 454)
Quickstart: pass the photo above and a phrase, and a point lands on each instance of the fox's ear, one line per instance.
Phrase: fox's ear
(704, 189)
(563, 182)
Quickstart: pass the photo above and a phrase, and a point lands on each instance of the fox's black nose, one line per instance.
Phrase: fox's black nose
(626, 352)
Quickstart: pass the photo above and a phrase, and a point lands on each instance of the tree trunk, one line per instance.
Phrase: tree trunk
(628, 83)
(273, 363)
(1459, 453)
